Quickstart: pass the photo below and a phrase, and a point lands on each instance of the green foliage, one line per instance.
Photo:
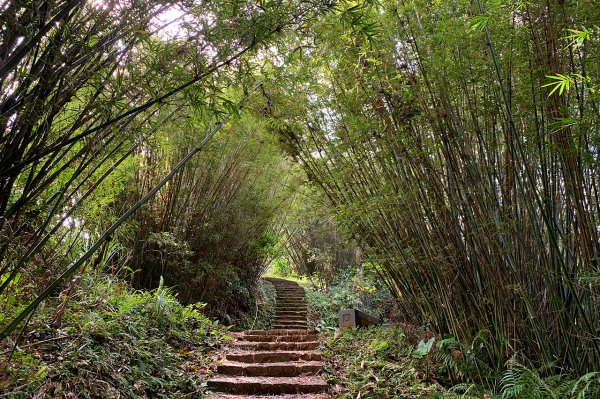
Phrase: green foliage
(101, 103)
(377, 362)
(559, 82)
(280, 267)
(212, 232)
(440, 152)
(480, 22)
(350, 292)
(520, 382)
(112, 341)
(577, 38)
(423, 349)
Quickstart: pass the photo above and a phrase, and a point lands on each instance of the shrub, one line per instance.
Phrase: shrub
(110, 341)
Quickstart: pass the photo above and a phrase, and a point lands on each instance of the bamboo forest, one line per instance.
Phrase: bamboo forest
(300, 199)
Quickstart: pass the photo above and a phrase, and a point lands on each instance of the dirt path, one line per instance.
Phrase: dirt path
(281, 361)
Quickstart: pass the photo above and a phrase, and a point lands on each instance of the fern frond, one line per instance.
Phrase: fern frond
(588, 386)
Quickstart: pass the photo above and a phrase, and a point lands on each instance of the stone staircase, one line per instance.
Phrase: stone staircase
(281, 361)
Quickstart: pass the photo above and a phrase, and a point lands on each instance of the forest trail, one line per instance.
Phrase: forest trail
(281, 361)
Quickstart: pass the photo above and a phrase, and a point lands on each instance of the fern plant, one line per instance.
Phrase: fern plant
(521, 382)
(456, 359)
(586, 387)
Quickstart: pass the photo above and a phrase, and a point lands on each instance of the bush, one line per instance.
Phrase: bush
(105, 341)
(378, 362)
(351, 291)
(403, 362)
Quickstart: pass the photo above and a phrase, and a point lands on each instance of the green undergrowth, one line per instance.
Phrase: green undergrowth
(394, 362)
(103, 340)
(351, 292)
(378, 362)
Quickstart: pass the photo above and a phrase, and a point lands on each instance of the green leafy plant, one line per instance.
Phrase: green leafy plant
(578, 37)
(559, 82)
(423, 349)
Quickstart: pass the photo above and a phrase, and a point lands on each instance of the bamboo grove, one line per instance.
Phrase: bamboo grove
(88, 89)
(457, 141)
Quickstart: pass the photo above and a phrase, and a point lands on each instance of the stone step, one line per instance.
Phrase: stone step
(273, 346)
(277, 314)
(284, 331)
(302, 396)
(281, 369)
(292, 326)
(286, 320)
(291, 313)
(289, 323)
(282, 321)
(265, 386)
(273, 357)
(296, 294)
(299, 307)
(289, 288)
(279, 338)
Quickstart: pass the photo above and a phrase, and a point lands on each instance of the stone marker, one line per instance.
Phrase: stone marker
(356, 318)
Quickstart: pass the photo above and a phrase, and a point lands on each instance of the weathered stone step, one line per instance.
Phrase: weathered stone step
(282, 321)
(287, 322)
(292, 396)
(301, 315)
(281, 369)
(273, 357)
(291, 313)
(298, 291)
(277, 314)
(273, 385)
(284, 331)
(292, 326)
(279, 338)
(273, 346)
(287, 308)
